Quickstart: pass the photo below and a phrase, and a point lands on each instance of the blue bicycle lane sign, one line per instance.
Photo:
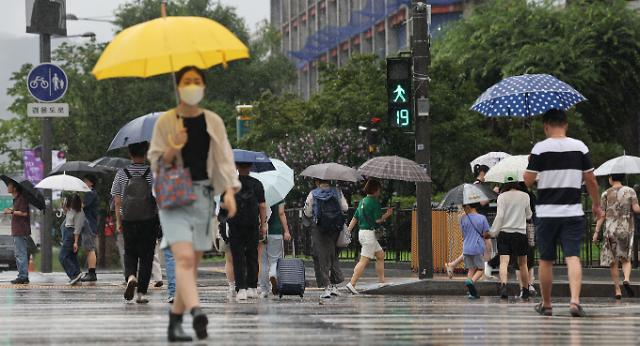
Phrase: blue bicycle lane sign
(47, 82)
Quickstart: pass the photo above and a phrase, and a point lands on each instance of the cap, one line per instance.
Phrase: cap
(510, 178)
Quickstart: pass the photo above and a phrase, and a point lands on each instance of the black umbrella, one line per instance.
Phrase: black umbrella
(77, 168)
(468, 194)
(110, 163)
(34, 197)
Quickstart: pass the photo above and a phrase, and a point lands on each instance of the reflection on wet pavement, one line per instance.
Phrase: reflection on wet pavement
(99, 315)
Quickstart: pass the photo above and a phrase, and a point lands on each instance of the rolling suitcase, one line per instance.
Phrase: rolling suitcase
(290, 276)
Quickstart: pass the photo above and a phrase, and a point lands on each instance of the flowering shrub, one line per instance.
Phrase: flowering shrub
(343, 146)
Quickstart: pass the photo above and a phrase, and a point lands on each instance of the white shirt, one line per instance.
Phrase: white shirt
(514, 209)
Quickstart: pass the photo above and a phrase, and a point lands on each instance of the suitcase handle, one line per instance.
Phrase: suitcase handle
(293, 248)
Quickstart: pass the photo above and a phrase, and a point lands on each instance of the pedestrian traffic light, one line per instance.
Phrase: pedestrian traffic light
(399, 92)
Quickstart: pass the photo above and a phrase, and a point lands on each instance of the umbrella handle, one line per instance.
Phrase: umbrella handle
(180, 126)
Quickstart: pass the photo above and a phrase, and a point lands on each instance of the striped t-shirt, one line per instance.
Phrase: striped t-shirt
(560, 164)
(120, 181)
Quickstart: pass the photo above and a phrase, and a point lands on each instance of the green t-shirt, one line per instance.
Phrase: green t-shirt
(369, 210)
(275, 226)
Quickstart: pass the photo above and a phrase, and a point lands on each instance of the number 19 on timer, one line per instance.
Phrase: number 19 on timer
(402, 117)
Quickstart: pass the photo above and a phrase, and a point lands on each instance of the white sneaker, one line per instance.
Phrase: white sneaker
(76, 280)
(488, 271)
(351, 289)
(142, 298)
(252, 293)
(333, 289)
(327, 293)
(232, 290)
(241, 295)
(170, 300)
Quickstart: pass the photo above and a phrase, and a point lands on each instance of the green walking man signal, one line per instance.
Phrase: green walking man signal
(400, 94)
(400, 107)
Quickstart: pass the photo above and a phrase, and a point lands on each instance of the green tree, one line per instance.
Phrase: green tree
(99, 108)
(592, 45)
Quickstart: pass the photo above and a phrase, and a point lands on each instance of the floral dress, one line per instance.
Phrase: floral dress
(619, 224)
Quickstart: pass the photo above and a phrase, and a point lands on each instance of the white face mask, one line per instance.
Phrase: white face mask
(191, 94)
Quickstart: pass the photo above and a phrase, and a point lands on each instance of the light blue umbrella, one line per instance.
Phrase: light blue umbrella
(137, 130)
(277, 183)
(527, 95)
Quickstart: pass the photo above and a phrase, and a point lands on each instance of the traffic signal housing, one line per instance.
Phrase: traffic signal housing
(400, 107)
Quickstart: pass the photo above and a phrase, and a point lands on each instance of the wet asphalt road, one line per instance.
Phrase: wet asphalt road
(48, 312)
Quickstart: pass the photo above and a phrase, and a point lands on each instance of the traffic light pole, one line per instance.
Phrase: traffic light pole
(47, 217)
(420, 46)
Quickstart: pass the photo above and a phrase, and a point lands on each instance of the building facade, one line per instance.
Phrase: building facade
(316, 31)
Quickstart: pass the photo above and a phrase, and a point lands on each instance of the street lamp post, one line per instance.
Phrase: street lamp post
(47, 216)
(420, 12)
(46, 264)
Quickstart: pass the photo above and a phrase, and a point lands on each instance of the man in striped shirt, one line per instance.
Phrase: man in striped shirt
(561, 164)
(139, 227)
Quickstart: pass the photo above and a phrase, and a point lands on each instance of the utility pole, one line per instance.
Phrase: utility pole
(420, 46)
(47, 216)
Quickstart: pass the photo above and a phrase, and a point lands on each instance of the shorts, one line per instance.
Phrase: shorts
(512, 244)
(192, 223)
(569, 231)
(473, 261)
(88, 239)
(369, 243)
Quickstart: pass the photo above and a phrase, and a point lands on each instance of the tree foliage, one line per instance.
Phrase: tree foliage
(99, 108)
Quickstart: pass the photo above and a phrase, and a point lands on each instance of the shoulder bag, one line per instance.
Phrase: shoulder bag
(174, 187)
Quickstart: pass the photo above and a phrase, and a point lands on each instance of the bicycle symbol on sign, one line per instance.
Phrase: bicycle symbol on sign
(39, 80)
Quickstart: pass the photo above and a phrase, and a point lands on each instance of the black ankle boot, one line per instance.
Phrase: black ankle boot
(175, 332)
(200, 322)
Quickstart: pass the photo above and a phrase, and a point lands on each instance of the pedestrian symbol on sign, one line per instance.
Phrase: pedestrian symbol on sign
(400, 94)
(47, 82)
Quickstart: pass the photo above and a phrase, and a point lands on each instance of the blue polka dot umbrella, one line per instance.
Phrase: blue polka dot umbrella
(527, 95)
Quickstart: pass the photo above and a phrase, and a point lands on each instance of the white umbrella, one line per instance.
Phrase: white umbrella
(63, 182)
(516, 164)
(625, 164)
(489, 159)
(277, 184)
(332, 171)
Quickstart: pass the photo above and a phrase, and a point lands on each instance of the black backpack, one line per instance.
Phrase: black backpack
(138, 203)
(330, 218)
(247, 208)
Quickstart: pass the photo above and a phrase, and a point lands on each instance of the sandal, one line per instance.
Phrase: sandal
(576, 310)
(544, 311)
(449, 270)
(628, 289)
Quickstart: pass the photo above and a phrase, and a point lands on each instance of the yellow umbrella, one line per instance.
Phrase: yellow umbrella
(167, 44)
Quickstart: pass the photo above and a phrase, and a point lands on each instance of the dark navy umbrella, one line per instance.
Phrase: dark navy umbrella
(260, 161)
(527, 95)
(137, 130)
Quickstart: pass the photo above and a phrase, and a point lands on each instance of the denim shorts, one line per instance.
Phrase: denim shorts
(473, 261)
(193, 223)
(568, 231)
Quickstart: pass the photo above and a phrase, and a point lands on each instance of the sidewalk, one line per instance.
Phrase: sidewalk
(596, 281)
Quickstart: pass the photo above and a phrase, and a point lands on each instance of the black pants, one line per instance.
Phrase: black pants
(139, 246)
(325, 257)
(244, 249)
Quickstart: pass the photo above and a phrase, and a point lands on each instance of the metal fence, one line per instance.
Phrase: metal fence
(399, 238)
(395, 239)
